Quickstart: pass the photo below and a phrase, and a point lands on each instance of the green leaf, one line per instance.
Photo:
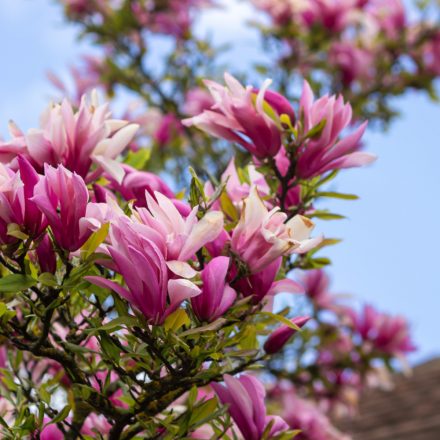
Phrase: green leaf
(109, 347)
(326, 215)
(282, 319)
(16, 283)
(48, 279)
(228, 207)
(210, 327)
(336, 195)
(177, 319)
(15, 231)
(203, 412)
(196, 191)
(94, 241)
(3, 309)
(61, 415)
(138, 159)
(316, 130)
(115, 324)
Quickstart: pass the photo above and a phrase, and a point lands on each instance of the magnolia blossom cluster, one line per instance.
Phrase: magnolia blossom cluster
(168, 17)
(173, 17)
(329, 380)
(60, 187)
(359, 37)
(74, 215)
(302, 145)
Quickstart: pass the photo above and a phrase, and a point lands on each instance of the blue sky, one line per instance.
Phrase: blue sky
(389, 256)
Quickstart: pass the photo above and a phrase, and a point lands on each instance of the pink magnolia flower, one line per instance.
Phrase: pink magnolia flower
(74, 139)
(324, 152)
(262, 236)
(182, 236)
(390, 16)
(62, 197)
(355, 63)
(305, 415)
(136, 183)
(216, 296)
(86, 77)
(137, 255)
(279, 338)
(245, 397)
(95, 425)
(46, 256)
(316, 286)
(16, 206)
(169, 128)
(237, 118)
(389, 334)
(262, 285)
(51, 432)
(196, 101)
(331, 14)
(173, 17)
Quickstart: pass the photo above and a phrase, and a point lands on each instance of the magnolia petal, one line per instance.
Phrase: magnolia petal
(111, 285)
(301, 227)
(112, 167)
(205, 231)
(179, 290)
(182, 269)
(285, 286)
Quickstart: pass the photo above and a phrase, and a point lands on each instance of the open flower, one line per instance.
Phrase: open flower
(261, 236)
(182, 236)
(142, 264)
(386, 333)
(325, 151)
(74, 139)
(241, 114)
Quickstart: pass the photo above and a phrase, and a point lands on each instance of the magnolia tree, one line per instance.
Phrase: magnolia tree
(140, 301)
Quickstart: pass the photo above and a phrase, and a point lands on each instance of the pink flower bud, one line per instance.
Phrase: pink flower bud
(278, 339)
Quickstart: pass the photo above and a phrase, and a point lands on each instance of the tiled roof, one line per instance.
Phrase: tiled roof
(410, 411)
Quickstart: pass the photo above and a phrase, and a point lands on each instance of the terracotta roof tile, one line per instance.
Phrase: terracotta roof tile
(410, 411)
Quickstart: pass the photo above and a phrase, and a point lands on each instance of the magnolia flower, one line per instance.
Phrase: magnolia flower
(46, 256)
(16, 206)
(316, 286)
(136, 183)
(354, 63)
(240, 115)
(138, 258)
(278, 339)
(216, 296)
(305, 415)
(183, 237)
(261, 236)
(386, 333)
(324, 152)
(74, 139)
(245, 397)
(62, 197)
(390, 16)
(331, 14)
(262, 285)
(171, 18)
(196, 101)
